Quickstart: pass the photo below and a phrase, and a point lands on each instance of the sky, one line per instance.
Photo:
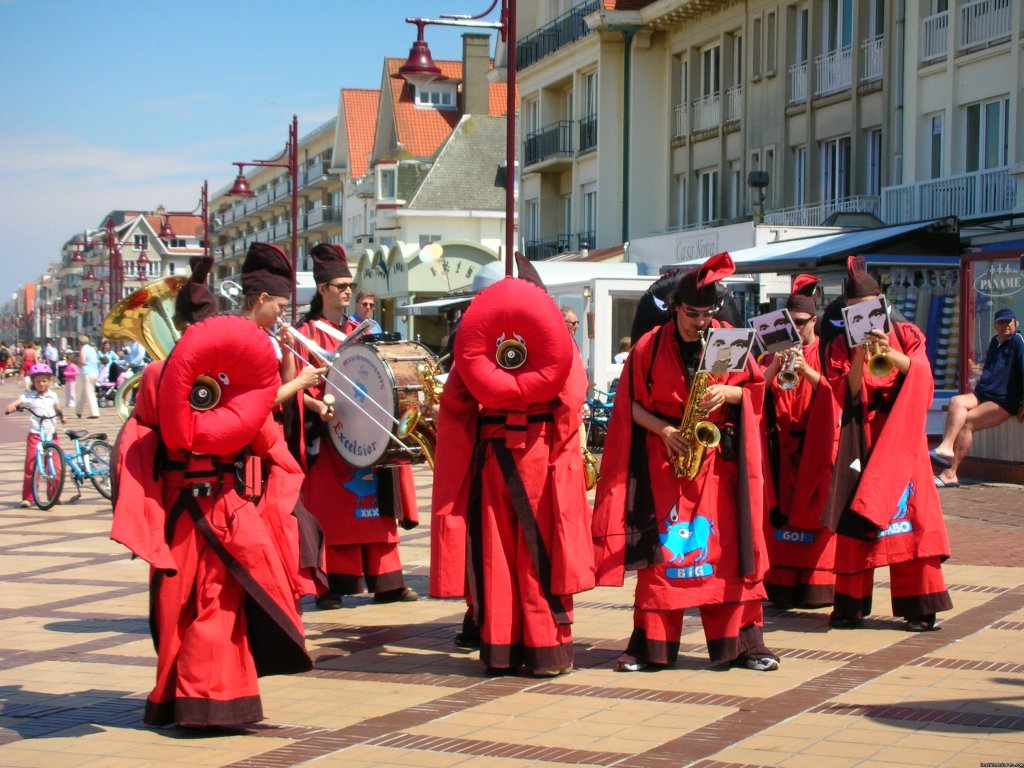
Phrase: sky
(129, 104)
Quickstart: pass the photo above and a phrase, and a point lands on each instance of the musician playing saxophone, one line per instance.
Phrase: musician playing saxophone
(359, 509)
(801, 424)
(695, 542)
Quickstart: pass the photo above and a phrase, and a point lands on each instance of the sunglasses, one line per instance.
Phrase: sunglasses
(573, 323)
(370, 304)
(341, 287)
(693, 314)
(802, 323)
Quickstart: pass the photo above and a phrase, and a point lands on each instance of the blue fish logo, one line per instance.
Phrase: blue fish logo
(362, 484)
(682, 538)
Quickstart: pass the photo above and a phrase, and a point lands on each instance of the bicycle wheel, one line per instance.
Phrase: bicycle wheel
(48, 475)
(97, 459)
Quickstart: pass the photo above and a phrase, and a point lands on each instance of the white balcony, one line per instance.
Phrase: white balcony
(935, 36)
(734, 103)
(834, 72)
(872, 54)
(814, 215)
(983, 21)
(682, 121)
(798, 83)
(707, 112)
(970, 194)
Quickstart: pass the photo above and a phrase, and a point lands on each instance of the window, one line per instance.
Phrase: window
(755, 52)
(428, 239)
(800, 37)
(735, 189)
(569, 103)
(987, 132)
(935, 146)
(799, 175)
(170, 268)
(140, 242)
(770, 45)
(532, 116)
(531, 229)
(769, 166)
(838, 31)
(386, 183)
(435, 95)
(566, 217)
(707, 207)
(590, 94)
(679, 201)
(710, 76)
(876, 18)
(835, 169)
(589, 215)
(874, 179)
(737, 59)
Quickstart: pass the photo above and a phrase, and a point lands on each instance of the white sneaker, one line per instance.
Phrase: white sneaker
(762, 663)
(25, 504)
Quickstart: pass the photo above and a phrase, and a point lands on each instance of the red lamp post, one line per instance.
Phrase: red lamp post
(142, 265)
(115, 266)
(289, 159)
(167, 232)
(420, 67)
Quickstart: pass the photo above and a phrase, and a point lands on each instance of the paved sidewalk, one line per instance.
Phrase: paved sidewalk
(391, 689)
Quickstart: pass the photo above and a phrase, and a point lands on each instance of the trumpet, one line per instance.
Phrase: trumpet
(879, 363)
(787, 376)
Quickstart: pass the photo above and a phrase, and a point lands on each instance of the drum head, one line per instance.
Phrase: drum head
(363, 377)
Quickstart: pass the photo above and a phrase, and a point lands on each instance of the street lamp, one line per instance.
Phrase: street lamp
(289, 159)
(420, 68)
(167, 232)
(115, 267)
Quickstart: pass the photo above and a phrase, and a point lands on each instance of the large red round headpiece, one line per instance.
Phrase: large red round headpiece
(512, 348)
(228, 354)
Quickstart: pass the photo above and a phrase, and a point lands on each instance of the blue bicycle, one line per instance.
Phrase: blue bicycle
(596, 415)
(90, 461)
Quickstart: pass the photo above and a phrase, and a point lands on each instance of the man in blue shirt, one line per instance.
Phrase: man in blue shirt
(996, 397)
(136, 358)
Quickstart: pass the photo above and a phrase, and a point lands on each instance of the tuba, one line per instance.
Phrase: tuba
(145, 316)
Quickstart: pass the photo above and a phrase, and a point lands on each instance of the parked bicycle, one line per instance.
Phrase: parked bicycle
(90, 460)
(596, 415)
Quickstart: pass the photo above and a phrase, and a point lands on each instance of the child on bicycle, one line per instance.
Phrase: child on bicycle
(43, 407)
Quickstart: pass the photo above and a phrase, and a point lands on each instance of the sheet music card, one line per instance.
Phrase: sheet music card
(727, 350)
(861, 319)
(776, 330)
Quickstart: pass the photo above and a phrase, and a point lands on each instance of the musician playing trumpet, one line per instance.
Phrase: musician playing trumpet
(359, 509)
(800, 420)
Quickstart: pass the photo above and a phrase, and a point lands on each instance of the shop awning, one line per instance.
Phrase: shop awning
(929, 243)
(434, 307)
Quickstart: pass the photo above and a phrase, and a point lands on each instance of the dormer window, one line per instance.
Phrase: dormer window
(436, 95)
(387, 183)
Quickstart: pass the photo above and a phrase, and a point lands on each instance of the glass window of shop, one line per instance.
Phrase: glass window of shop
(994, 282)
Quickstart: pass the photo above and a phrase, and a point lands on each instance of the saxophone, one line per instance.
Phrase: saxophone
(699, 433)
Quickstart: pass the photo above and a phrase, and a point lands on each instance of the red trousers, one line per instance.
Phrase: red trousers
(31, 449)
(731, 630)
(790, 587)
(350, 565)
(917, 588)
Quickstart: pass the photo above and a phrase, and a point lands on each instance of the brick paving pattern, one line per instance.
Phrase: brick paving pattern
(390, 688)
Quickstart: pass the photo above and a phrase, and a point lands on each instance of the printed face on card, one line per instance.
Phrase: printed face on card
(775, 330)
(726, 350)
(863, 318)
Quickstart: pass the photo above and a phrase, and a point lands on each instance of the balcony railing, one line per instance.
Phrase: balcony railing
(935, 36)
(322, 215)
(313, 172)
(798, 83)
(707, 112)
(969, 194)
(984, 21)
(734, 103)
(588, 133)
(586, 240)
(566, 29)
(682, 121)
(872, 52)
(538, 250)
(554, 140)
(814, 215)
(834, 72)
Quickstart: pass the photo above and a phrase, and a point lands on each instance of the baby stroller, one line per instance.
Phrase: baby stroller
(111, 377)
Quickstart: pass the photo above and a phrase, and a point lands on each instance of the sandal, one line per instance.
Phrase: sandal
(923, 623)
(627, 663)
(940, 483)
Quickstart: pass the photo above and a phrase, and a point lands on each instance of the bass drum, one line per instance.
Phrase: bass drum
(381, 383)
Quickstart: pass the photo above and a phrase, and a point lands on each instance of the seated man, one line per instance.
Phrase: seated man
(996, 397)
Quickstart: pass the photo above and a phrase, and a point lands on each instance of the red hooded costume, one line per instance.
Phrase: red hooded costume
(207, 499)
(696, 542)
(802, 431)
(883, 500)
(510, 520)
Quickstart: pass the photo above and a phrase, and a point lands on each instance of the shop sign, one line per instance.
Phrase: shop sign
(1003, 278)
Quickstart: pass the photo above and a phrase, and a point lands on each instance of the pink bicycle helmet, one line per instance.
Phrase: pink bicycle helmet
(40, 369)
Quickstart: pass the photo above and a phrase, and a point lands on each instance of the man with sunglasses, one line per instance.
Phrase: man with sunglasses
(359, 509)
(801, 429)
(366, 302)
(694, 543)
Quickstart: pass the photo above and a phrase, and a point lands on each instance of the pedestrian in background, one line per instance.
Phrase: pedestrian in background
(85, 383)
(70, 374)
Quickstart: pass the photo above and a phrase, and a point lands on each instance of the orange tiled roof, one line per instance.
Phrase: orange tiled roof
(183, 225)
(422, 131)
(361, 107)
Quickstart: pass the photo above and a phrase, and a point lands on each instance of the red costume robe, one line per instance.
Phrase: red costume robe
(883, 501)
(224, 578)
(359, 509)
(801, 550)
(510, 522)
(696, 542)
